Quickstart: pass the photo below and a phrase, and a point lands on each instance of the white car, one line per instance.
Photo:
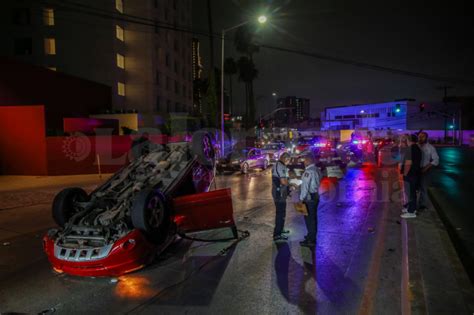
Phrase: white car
(273, 151)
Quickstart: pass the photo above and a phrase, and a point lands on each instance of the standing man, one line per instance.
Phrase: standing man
(429, 159)
(411, 175)
(309, 194)
(279, 193)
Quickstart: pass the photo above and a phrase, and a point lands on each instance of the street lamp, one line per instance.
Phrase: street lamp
(274, 94)
(262, 19)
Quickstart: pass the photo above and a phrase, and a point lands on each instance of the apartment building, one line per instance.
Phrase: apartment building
(140, 49)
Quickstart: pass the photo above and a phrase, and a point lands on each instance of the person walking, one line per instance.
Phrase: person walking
(279, 193)
(411, 165)
(309, 194)
(430, 158)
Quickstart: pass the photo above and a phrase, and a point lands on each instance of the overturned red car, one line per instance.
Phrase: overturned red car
(130, 219)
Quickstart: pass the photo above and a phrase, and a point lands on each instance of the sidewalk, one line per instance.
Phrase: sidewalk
(23, 191)
(438, 283)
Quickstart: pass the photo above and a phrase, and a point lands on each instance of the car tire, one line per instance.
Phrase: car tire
(150, 214)
(203, 149)
(245, 168)
(63, 204)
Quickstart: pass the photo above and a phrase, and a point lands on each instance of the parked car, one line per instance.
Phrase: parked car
(305, 143)
(243, 161)
(135, 215)
(324, 157)
(273, 150)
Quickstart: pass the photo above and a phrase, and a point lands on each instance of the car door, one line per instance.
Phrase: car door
(251, 158)
(204, 211)
(259, 158)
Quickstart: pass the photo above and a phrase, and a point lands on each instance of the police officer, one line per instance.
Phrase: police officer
(279, 194)
(309, 194)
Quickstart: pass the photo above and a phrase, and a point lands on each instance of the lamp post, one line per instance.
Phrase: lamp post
(261, 19)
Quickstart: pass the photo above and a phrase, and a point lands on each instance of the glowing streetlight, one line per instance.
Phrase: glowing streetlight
(274, 94)
(262, 19)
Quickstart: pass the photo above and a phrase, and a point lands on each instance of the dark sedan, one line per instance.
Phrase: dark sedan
(243, 161)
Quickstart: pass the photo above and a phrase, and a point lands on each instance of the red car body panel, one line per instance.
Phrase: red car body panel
(197, 212)
(124, 257)
(204, 211)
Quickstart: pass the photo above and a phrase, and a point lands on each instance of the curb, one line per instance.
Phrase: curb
(466, 257)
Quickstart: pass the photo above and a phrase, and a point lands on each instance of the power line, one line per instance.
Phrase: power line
(370, 66)
(158, 24)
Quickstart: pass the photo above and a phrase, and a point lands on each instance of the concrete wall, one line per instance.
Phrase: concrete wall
(22, 140)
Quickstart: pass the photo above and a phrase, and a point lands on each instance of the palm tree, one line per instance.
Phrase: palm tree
(247, 74)
(244, 43)
(230, 68)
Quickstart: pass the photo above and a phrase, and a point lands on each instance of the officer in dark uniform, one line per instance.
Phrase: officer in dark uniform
(279, 193)
(309, 194)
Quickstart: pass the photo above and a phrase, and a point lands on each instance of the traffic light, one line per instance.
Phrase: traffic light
(422, 107)
(397, 108)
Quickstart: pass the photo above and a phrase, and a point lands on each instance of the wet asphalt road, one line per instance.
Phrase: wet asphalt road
(355, 268)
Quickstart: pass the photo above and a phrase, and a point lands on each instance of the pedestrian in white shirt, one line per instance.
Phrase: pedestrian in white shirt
(429, 159)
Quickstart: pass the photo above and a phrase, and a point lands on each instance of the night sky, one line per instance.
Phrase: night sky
(415, 35)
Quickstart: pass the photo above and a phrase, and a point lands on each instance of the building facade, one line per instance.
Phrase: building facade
(388, 115)
(292, 109)
(137, 48)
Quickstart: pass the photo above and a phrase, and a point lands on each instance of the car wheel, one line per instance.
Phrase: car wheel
(150, 215)
(203, 148)
(63, 204)
(245, 168)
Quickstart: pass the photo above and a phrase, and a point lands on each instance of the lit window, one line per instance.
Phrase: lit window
(121, 89)
(48, 17)
(119, 5)
(120, 61)
(119, 32)
(50, 46)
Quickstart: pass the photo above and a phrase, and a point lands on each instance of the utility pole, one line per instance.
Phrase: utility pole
(445, 88)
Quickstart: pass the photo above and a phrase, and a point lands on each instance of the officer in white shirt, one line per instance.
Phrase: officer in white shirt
(429, 159)
(309, 194)
(279, 193)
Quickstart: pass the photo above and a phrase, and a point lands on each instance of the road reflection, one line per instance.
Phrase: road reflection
(134, 287)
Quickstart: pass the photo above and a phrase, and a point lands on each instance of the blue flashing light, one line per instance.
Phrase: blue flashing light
(355, 141)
